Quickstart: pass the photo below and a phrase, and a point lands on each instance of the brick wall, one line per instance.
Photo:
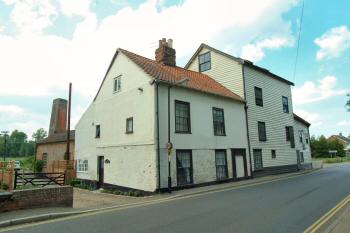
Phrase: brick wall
(43, 197)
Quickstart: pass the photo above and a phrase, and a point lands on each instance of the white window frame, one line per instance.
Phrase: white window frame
(82, 165)
(117, 87)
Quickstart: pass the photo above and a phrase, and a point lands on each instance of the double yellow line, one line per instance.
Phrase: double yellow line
(325, 218)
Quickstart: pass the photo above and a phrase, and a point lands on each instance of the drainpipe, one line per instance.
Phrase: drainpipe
(246, 121)
(169, 142)
(157, 115)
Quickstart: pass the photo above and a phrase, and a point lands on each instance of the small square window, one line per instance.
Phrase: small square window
(117, 84)
(82, 165)
(285, 104)
(130, 125)
(98, 131)
(273, 154)
(258, 96)
(204, 62)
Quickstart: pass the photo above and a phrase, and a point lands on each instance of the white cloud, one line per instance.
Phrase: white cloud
(311, 91)
(15, 117)
(313, 118)
(333, 43)
(37, 64)
(80, 8)
(32, 16)
(256, 51)
(10, 109)
(343, 123)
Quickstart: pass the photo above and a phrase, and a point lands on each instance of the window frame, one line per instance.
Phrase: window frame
(217, 166)
(98, 132)
(287, 133)
(188, 120)
(285, 106)
(257, 97)
(177, 168)
(290, 136)
(273, 154)
(82, 165)
(254, 156)
(262, 138)
(127, 131)
(223, 122)
(204, 62)
(44, 159)
(118, 85)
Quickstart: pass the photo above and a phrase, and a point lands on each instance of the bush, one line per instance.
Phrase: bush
(39, 164)
(4, 186)
(74, 182)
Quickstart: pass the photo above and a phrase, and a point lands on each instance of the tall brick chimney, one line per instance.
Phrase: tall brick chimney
(165, 53)
(58, 122)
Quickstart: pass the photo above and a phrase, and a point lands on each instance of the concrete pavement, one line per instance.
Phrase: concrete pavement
(289, 205)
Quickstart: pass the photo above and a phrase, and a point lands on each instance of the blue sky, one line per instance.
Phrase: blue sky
(46, 44)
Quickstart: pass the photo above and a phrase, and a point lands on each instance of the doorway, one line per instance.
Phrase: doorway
(100, 171)
(239, 163)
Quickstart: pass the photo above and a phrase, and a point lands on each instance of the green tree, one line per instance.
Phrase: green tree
(335, 144)
(17, 138)
(40, 134)
(347, 105)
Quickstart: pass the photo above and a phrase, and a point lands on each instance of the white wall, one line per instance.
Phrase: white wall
(201, 141)
(224, 70)
(299, 145)
(272, 114)
(132, 156)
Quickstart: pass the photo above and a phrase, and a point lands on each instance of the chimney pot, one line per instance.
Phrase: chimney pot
(165, 54)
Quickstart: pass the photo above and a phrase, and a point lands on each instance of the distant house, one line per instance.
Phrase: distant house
(53, 148)
(343, 140)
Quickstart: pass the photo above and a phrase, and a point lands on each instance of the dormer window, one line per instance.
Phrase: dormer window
(204, 62)
(117, 84)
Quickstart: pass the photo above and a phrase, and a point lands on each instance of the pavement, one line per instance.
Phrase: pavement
(86, 201)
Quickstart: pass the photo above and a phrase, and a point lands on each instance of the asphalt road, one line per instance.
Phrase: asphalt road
(289, 205)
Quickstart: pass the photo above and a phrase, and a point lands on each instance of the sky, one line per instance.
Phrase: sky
(46, 44)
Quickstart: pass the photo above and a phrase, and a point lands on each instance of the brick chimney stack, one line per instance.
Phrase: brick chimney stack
(165, 54)
(58, 122)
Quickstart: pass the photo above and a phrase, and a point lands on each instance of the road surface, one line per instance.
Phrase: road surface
(289, 205)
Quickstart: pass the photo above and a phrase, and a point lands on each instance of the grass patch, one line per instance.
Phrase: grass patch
(335, 159)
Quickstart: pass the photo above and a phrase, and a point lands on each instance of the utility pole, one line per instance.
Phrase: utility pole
(67, 157)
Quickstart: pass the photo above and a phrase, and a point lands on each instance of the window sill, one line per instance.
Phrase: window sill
(130, 132)
(180, 132)
(84, 172)
(114, 92)
(219, 135)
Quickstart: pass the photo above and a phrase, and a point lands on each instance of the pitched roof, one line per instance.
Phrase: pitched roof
(301, 120)
(58, 137)
(239, 60)
(343, 138)
(173, 75)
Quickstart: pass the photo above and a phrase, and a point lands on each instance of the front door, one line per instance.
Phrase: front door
(100, 170)
(239, 163)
